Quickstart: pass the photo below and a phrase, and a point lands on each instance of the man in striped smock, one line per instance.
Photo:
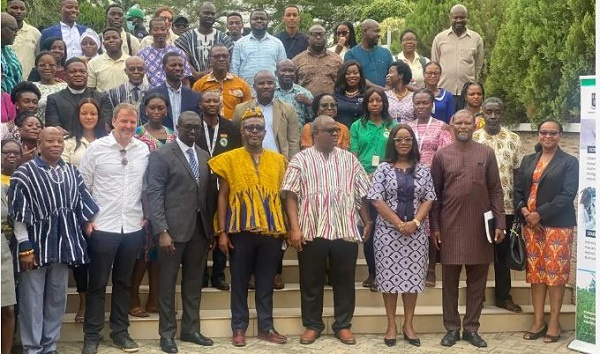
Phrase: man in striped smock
(49, 204)
(325, 189)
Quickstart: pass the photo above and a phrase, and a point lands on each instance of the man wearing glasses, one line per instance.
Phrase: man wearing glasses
(113, 169)
(317, 67)
(324, 188)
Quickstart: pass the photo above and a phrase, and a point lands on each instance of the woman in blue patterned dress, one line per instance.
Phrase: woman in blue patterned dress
(402, 192)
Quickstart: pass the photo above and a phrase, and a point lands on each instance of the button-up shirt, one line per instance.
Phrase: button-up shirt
(175, 103)
(460, 57)
(317, 72)
(269, 142)
(71, 37)
(293, 45)
(250, 55)
(303, 111)
(233, 91)
(105, 73)
(416, 68)
(116, 187)
(154, 68)
(25, 45)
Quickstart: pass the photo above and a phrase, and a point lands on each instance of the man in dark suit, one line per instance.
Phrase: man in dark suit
(61, 107)
(178, 180)
(67, 29)
(217, 135)
(181, 98)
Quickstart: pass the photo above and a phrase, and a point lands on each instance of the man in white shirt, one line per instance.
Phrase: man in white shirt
(67, 29)
(113, 168)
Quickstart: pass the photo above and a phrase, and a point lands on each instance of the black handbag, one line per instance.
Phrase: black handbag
(517, 259)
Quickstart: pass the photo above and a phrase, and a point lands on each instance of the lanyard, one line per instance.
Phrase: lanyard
(209, 144)
(419, 139)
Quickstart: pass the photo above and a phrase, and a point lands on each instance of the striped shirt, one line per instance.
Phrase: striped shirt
(197, 46)
(53, 203)
(11, 68)
(329, 191)
(251, 55)
(122, 94)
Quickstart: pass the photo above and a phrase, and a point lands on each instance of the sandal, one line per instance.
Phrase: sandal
(430, 279)
(548, 338)
(533, 336)
(510, 306)
(138, 312)
(79, 317)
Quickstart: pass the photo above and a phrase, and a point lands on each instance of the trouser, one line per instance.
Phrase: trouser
(42, 302)
(80, 274)
(253, 254)
(476, 283)
(368, 246)
(218, 268)
(312, 262)
(191, 256)
(116, 251)
(501, 268)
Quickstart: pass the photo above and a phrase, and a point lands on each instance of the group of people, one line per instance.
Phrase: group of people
(126, 153)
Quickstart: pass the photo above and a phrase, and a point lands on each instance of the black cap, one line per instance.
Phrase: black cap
(181, 20)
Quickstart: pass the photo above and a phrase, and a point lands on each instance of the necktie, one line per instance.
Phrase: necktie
(136, 94)
(193, 162)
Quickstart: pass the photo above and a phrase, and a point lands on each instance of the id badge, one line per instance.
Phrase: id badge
(375, 161)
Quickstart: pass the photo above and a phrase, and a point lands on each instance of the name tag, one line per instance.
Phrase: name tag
(375, 161)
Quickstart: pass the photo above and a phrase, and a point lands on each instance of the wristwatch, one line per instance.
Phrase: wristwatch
(417, 222)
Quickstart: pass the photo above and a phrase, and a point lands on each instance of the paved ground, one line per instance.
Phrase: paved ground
(499, 343)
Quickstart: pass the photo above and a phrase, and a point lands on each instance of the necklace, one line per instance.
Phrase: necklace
(353, 93)
(401, 95)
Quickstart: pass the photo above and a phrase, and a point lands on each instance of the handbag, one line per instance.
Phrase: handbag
(517, 259)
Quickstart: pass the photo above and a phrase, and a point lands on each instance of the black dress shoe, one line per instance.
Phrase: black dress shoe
(474, 339)
(197, 338)
(168, 345)
(390, 342)
(450, 338)
(90, 347)
(220, 284)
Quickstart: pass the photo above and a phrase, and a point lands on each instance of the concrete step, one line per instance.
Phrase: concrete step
(428, 319)
(289, 297)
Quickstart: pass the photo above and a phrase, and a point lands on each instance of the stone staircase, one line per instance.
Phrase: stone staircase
(369, 316)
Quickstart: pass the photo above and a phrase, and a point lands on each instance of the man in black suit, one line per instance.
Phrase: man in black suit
(217, 135)
(178, 180)
(181, 98)
(61, 107)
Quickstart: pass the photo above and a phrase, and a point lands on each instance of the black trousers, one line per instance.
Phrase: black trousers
(342, 267)
(368, 246)
(218, 268)
(116, 251)
(501, 269)
(253, 254)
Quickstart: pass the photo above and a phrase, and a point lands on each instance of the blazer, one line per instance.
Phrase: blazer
(175, 199)
(61, 107)
(285, 125)
(55, 31)
(556, 190)
(189, 102)
(228, 138)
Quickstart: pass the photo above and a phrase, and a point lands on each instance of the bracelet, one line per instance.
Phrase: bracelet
(417, 222)
(25, 253)
(219, 232)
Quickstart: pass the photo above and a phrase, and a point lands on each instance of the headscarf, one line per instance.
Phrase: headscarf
(90, 33)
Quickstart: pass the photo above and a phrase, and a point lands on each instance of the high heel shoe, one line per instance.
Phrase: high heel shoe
(412, 341)
(390, 342)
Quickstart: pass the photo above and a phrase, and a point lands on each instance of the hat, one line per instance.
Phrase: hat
(90, 33)
(252, 113)
(134, 12)
(181, 20)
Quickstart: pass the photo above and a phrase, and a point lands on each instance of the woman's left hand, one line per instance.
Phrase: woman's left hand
(408, 228)
(533, 219)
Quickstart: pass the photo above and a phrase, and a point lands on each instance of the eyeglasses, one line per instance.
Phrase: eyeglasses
(432, 73)
(317, 34)
(331, 131)
(220, 56)
(16, 153)
(190, 127)
(254, 128)
(342, 33)
(552, 133)
(403, 140)
(124, 160)
(326, 105)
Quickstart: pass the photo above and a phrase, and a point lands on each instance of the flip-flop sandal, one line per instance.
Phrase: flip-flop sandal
(138, 312)
(533, 336)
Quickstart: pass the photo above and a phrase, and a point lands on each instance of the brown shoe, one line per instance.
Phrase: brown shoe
(251, 283)
(272, 336)
(510, 306)
(345, 336)
(239, 338)
(309, 336)
(278, 283)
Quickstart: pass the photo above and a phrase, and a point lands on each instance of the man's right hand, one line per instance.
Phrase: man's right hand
(436, 238)
(28, 262)
(165, 241)
(296, 239)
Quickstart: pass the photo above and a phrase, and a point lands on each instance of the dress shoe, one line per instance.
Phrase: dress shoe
(309, 336)
(533, 336)
(450, 338)
(474, 339)
(390, 342)
(220, 284)
(272, 336)
(126, 344)
(345, 336)
(412, 341)
(278, 283)
(239, 338)
(90, 347)
(168, 345)
(197, 338)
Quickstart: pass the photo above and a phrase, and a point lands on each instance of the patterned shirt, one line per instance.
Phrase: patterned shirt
(317, 72)
(329, 191)
(509, 153)
(122, 94)
(11, 68)
(47, 90)
(401, 109)
(250, 55)
(142, 134)
(431, 137)
(304, 112)
(154, 67)
(233, 91)
(198, 45)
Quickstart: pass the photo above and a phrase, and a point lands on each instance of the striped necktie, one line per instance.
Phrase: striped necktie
(193, 162)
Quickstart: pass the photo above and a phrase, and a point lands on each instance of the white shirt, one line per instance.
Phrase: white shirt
(175, 102)
(269, 142)
(185, 148)
(71, 36)
(117, 188)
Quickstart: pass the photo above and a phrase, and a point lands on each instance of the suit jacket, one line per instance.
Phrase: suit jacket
(285, 125)
(189, 102)
(556, 190)
(55, 31)
(175, 199)
(61, 107)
